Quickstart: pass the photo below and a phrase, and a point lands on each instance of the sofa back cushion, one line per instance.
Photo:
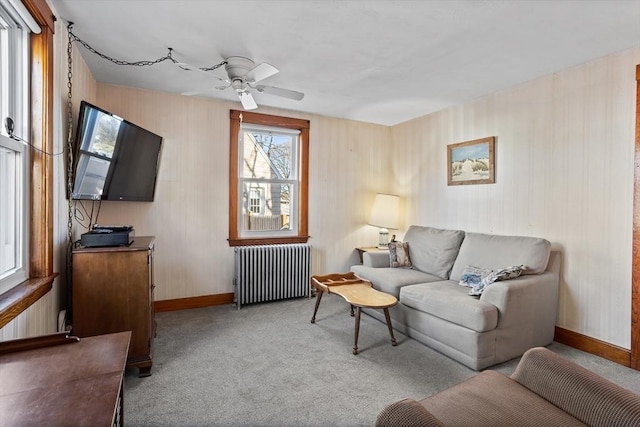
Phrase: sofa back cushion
(433, 250)
(494, 252)
(581, 393)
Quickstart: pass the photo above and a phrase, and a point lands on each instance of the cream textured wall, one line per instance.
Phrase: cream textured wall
(564, 165)
(349, 162)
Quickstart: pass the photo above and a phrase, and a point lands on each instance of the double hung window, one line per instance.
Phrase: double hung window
(268, 185)
(14, 154)
(268, 180)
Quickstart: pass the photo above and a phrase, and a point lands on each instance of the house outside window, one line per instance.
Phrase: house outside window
(14, 154)
(269, 169)
(256, 201)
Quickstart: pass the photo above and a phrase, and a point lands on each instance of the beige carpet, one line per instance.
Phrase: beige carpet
(267, 365)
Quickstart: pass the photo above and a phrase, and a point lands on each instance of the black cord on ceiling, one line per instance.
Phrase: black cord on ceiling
(142, 63)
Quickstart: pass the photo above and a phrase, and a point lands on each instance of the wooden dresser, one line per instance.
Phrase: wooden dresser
(113, 292)
(54, 380)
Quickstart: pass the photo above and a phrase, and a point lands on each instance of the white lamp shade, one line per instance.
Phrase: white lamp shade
(385, 212)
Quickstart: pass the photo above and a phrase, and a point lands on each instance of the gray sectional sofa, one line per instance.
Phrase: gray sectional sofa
(508, 318)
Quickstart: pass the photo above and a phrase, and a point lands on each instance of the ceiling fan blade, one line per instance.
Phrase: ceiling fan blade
(193, 93)
(261, 72)
(278, 91)
(247, 101)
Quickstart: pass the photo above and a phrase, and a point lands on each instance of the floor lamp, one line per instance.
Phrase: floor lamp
(384, 215)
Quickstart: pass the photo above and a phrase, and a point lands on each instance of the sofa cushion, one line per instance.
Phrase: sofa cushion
(504, 274)
(448, 301)
(492, 399)
(390, 280)
(399, 255)
(433, 250)
(495, 276)
(473, 276)
(495, 252)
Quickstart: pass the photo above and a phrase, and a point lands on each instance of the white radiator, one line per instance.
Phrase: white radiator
(271, 272)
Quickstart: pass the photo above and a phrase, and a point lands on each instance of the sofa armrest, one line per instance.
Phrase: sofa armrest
(406, 412)
(579, 392)
(543, 288)
(376, 259)
(527, 311)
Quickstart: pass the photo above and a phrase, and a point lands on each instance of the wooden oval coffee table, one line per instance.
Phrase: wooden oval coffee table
(358, 293)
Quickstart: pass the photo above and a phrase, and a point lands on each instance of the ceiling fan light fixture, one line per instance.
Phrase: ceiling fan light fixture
(238, 85)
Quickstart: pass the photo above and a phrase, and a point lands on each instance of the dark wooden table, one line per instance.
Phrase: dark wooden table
(58, 381)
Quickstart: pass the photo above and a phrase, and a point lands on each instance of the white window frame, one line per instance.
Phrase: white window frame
(14, 103)
(293, 181)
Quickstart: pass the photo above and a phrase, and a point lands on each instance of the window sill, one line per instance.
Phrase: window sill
(18, 299)
(267, 241)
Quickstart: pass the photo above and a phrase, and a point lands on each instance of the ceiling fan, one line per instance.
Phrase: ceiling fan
(243, 76)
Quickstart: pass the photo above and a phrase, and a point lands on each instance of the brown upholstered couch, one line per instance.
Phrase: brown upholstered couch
(544, 390)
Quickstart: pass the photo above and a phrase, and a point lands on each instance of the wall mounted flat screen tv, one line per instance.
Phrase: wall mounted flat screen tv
(115, 159)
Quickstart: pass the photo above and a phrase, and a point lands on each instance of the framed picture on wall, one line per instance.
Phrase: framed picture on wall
(471, 162)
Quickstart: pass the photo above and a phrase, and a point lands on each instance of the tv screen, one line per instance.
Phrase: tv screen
(115, 159)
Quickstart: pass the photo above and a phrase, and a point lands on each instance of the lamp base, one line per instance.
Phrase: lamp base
(383, 239)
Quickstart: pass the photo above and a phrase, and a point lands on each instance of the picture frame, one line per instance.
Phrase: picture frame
(471, 162)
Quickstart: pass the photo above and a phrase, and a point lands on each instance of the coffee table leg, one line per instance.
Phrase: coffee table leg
(386, 316)
(319, 297)
(355, 344)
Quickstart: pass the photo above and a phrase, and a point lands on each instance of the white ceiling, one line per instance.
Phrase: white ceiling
(378, 61)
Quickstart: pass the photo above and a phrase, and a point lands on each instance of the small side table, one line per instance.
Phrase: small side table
(363, 249)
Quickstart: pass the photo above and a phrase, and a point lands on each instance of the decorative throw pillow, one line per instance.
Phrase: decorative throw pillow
(399, 255)
(472, 275)
(496, 276)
